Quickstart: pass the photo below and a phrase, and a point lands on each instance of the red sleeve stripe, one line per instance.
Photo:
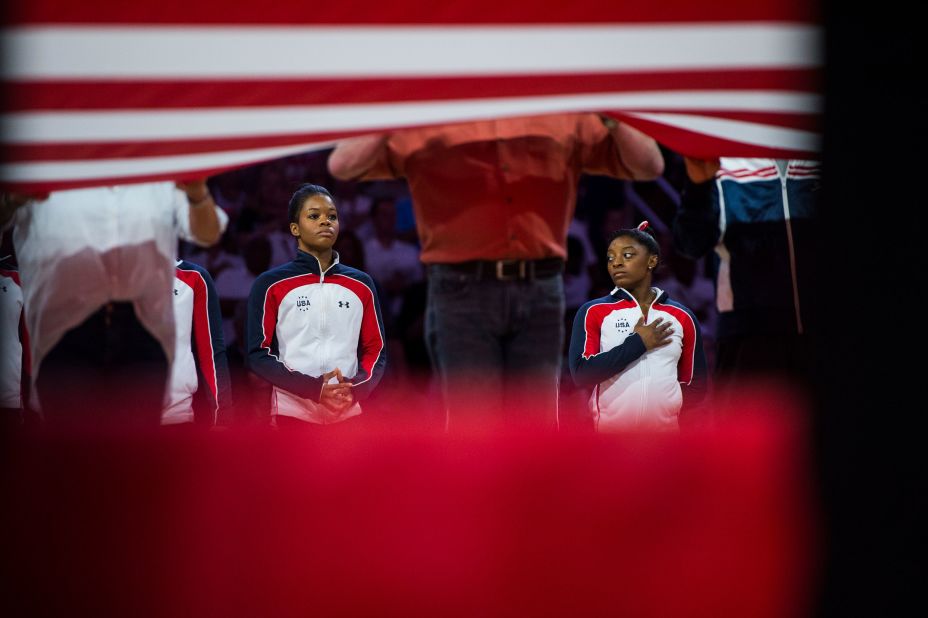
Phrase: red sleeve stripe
(273, 296)
(749, 172)
(688, 357)
(759, 174)
(371, 340)
(592, 324)
(202, 333)
(12, 274)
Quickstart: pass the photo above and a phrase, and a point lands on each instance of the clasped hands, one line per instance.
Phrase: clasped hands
(337, 397)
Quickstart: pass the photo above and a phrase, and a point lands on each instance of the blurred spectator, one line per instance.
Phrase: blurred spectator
(577, 281)
(350, 248)
(610, 221)
(579, 229)
(227, 191)
(252, 394)
(354, 207)
(406, 221)
(685, 280)
(225, 266)
(393, 264)
(257, 259)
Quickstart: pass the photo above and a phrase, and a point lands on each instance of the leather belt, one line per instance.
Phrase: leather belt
(509, 270)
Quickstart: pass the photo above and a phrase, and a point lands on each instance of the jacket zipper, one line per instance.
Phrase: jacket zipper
(322, 327)
(645, 367)
(792, 249)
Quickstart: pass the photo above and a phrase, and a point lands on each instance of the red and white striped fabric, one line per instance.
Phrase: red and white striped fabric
(110, 92)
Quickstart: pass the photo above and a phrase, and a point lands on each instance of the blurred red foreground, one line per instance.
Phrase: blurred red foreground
(375, 521)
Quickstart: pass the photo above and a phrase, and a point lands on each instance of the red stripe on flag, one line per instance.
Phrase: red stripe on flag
(405, 12)
(801, 121)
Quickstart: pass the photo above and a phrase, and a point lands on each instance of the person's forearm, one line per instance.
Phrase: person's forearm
(640, 156)
(204, 222)
(701, 170)
(590, 371)
(639, 153)
(355, 156)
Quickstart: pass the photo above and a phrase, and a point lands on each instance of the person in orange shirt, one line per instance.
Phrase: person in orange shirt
(493, 200)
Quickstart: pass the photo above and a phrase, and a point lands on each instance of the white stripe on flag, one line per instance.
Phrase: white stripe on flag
(152, 52)
(740, 131)
(188, 124)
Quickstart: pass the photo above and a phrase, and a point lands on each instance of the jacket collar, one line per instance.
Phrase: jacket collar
(622, 294)
(312, 263)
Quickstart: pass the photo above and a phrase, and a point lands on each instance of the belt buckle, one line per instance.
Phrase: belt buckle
(502, 276)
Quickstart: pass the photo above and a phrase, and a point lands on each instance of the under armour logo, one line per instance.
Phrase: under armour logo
(343, 303)
(4, 288)
(176, 292)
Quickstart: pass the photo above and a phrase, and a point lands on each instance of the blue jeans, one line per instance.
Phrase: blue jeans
(496, 345)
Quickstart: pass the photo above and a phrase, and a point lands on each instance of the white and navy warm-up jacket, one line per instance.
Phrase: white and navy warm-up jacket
(632, 387)
(760, 217)
(199, 351)
(303, 323)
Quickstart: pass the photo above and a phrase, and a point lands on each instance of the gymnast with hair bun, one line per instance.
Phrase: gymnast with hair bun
(640, 351)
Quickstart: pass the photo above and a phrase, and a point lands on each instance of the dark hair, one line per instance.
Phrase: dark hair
(301, 195)
(643, 235)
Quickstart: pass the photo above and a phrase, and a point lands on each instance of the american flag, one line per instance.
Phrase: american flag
(110, 92)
